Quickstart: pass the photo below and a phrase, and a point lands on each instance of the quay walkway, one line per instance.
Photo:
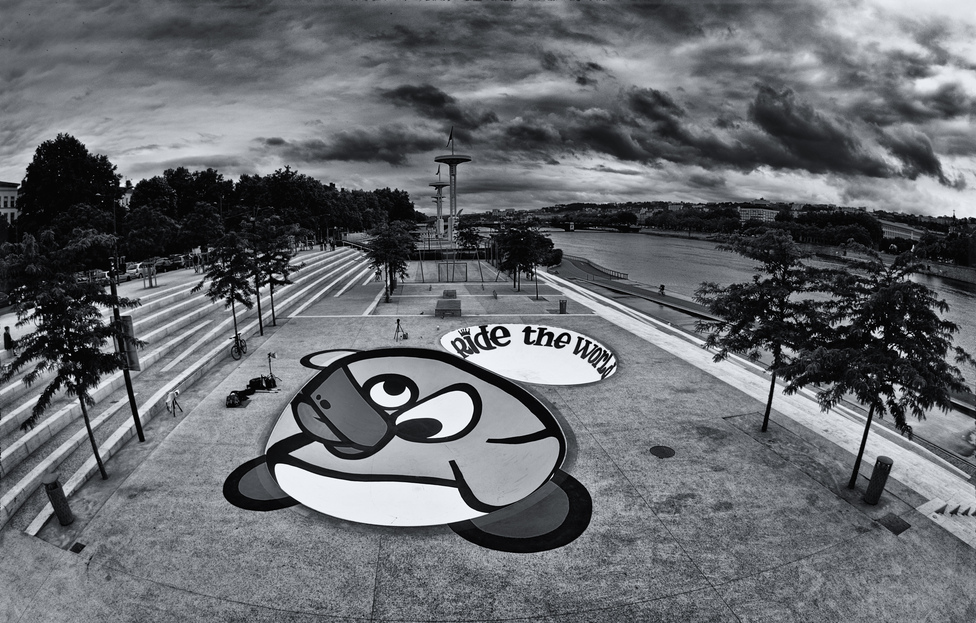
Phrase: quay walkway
(731, 525)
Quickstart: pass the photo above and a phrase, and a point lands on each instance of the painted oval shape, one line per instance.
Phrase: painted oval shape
(533, 353)
(411, 437)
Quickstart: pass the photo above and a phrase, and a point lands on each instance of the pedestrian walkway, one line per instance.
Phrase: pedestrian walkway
(696, 516)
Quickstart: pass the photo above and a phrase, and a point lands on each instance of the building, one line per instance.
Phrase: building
(900, 230)
(8, 202)
(752, 213)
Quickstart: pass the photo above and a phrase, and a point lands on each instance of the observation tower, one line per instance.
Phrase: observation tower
(439, 200)
(452, 161)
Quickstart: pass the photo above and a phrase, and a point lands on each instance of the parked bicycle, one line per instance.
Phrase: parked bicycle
(239, 347)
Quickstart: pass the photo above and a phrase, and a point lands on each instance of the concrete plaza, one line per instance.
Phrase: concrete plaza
(737, 525)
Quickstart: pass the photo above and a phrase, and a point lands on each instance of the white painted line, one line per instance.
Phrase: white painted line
(352, 282)
(186, 352)
(312, 300)
(372, 306)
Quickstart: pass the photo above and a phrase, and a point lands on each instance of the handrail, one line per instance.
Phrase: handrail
(613, 273)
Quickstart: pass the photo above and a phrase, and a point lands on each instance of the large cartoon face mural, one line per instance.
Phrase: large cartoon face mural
(414, 437)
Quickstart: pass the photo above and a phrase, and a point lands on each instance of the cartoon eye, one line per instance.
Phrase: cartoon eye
(444, 417)
(391, 391)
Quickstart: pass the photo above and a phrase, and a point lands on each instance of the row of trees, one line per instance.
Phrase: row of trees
(68, 332)
(867, 330)
(520, 249)
(65, 185)
(72, 220)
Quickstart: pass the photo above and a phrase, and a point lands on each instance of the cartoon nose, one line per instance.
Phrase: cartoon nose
(361, 427)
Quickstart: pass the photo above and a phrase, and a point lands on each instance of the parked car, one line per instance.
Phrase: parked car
(128, 272)
(146, 268)
(95, 276)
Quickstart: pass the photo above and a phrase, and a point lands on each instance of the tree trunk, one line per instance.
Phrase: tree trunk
(257, 295)
(860, 452)
(233, 311)
(274, 321)
(91, 437)
(769, 403)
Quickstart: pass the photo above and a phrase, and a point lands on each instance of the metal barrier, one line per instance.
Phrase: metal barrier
(613, 273)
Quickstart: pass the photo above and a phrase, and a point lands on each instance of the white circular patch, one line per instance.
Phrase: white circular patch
(533, 353)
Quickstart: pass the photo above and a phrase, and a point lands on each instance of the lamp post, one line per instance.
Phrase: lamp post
(119, 337)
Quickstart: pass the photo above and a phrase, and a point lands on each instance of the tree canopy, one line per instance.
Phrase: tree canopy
(885, 344)
(229, 274)
(389, 251)
(70, 332)
(62, 175)
(521, 248)
(772, 313)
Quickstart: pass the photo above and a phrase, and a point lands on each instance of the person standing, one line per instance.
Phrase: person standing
(9, 343)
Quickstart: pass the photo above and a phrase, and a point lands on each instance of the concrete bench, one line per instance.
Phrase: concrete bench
(450, 294)
(447, 307)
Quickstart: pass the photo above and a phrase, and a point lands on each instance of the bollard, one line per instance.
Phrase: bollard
(878, 479)
(56, 494)
(562, 306)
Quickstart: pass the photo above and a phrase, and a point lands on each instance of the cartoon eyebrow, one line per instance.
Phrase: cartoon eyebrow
(536, 436)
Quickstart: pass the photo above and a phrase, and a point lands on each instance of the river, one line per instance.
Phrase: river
(682, 264)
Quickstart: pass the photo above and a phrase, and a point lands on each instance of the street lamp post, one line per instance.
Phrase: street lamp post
(119, 346)
(119, 339)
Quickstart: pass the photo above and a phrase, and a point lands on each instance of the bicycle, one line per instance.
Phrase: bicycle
(239, 347)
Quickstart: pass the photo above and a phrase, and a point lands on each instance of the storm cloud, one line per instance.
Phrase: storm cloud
(863, 100)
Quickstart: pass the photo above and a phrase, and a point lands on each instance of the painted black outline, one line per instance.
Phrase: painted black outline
(476, 403)
(529, 400)
(331, 445)
(234, 495)
(364, 390)
(616, 356)
(580, 502)
(572, 526)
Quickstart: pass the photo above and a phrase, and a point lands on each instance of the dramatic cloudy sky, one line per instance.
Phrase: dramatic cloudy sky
(854, 102)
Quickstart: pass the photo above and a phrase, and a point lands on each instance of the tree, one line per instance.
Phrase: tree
(270, 242)
(395, 204)
(200, 228)
(71, 331)
(64, 174)
(149, 232)
(468, 237)
(155, 193)
(389, 250)
(229, 274)
(885, 344)
(770, 313)
(521, 249)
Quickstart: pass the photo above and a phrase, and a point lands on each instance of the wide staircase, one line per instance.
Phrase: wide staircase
(186, 335)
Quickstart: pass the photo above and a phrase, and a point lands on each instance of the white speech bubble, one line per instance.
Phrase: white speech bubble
(533, 353)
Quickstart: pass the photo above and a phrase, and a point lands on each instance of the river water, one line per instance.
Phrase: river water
(682, 264)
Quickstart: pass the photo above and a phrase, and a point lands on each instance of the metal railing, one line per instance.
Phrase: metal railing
(615, 274)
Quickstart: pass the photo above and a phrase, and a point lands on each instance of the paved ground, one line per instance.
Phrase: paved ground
(737, 526)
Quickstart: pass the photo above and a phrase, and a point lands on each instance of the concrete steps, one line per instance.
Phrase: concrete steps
(177, 325)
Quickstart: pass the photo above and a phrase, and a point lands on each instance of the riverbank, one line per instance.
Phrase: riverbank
(947, 435)
(696, 514)
(964, 274)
